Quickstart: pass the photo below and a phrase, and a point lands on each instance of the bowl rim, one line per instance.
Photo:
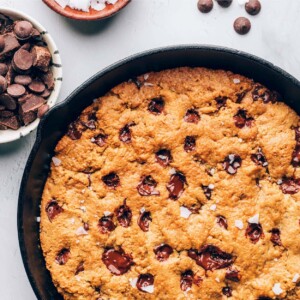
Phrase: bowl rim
(10, 135)
(81, 16)
(108, 69)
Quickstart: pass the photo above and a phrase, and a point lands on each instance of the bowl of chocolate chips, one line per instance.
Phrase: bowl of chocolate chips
(30, 74)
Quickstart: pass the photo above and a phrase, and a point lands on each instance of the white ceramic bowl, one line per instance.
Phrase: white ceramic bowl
(12, 135)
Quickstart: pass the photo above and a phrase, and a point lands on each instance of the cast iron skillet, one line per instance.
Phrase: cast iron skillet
(55, 123)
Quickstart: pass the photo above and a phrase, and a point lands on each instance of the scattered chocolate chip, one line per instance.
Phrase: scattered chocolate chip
(176, 185)
(117, 261)
(100, 139)
(192, 116)
(144, 220)
(23, 79)
(162, 252)
(53, 209)
(3, 84)
(23, 29)
(62, 256)
(144, 280)
(224, 3)
(3, 68)
(186, 280)
(290, 186)
(42, 110)
(227, 291)
(147, 186)
(221, 101)
(80, 268)
(124, 215)
(163, 157)
(86, 226)
(211, 257)
(125, 133)
(242, 25)
(275, 237)
(207, 190)
(233, 275)
(156, 106)
(259, 158)
(16, 90)
(73, 131)
(2, 43)
(112, 180)
(189, 143)
(222, 221)
(231, 163)
(205, 6)
(241, 119)
(254, 232)
(22, 60)
(253, 7)
(106, 224)
(261, 93)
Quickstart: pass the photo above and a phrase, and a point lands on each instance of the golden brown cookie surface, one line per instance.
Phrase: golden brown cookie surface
(180, 185)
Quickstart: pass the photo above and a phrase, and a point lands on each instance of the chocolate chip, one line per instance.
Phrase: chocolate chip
(16, 90)
(259, 158)
(36, 86)
(156, 106)
(254, 232)
(205, 6)
(41, 57)
(22, 60)
(12, 123)
(125, 133)
(231, 163)
(224, 3)
(253, 7)
(32, 103)
(176, 185)
(227, 291)
(221, 101)
(144, 280)
(207, 190)
(240, 96)
(11, 44)
(112, 180)
(144, 220)
(117, 261)
(189, 143)
(264, 298)
(147, 186)
(3, 84)
(290, 186)
(2, 43)
(241, 119)
(124, 215)
(80, 268)
(222, 221)
(192, 116)
(3, 68)
(62, 256)
(106, 224)
(275, 237)
(261, 93)
(42, 110)
(296, 157)
(90, 121)
(28, 117)
(23, 29)
(211, 257)
(136, 82)
(162, 252)
(186, 280)
(73, 131)
(242, 25)
(23, 79)
(53, 209)
(6, 114)
(46, 93)
(164, 157)
(233, 275)
(86, 226)
(100, 139)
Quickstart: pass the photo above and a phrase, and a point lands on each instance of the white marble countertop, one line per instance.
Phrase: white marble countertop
(88, 47)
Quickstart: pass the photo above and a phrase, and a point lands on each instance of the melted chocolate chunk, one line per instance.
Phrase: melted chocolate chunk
(176, 185)
(100, 139)
(80, 268)
(136, 82)
(91, 121)
(147, 186)
(222, 221)
(106, 224)
(259, 158)
(290, 186)
(207, 190)
(231, 163)
(163, 251)
(221, 101)
(74, 132)
(189, 144)
(296, 157)
(112, 180)
(186, 280)
(233, 275)
(264, 298)
(241, 120)
(144, 280)
(144, 220)
(62, 256)
(124, 215)
(156, 106)
(53, 209)
(117, 261)
(261, 93)
(254, 232)
(211, 257)
(192, 116)
(86, 226)
(163, 157)
(125, 133)
(240, 96)
(227, 291)
(275, 237)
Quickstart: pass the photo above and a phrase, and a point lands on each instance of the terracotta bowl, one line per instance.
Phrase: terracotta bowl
(110, 10)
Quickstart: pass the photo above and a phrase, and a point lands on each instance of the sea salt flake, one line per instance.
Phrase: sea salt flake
(38, 219)
(83, 208)
(172, 171)
(240, 140)
(296, 277)
(236, 80)
(211, 186)
(146, 76)
(98, 4)
(112, 1)
(148, 289)
(72, 221)
(93, 140)
(62, 3)
(217, 279)
(277, 289)
(77, 241)
(185, 212)
(279, 181)
(254, 219)
(78, 278)
(148, 84)
(133, 282)
(239, 224)
(81, 231)
(56, 161)
(142, 210)
(83, 5)
(212, 171)
(213, 207)
(107, 213)
(81, 201)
